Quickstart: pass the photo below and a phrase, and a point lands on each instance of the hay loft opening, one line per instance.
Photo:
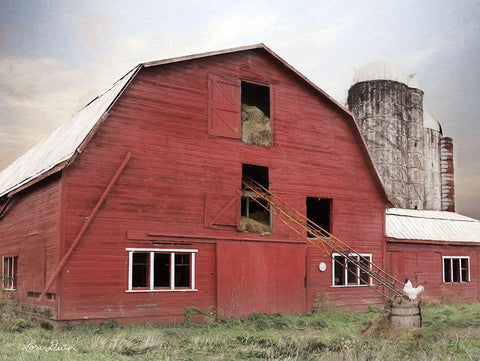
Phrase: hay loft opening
(255, 217)
(256, 124)
(319, 212)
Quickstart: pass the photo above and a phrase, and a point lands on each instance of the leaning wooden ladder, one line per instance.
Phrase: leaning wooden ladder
(383, 283)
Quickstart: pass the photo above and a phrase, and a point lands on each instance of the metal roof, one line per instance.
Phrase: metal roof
(429, 121)
(62, 144)
(410, 224)
(383, 70)
(60, 148)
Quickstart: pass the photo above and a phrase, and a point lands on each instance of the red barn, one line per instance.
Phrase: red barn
(440, 250)
(132, 210)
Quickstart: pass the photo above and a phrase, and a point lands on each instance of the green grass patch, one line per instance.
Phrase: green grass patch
(449, 332)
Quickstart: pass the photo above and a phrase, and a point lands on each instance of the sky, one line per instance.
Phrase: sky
(55, 56)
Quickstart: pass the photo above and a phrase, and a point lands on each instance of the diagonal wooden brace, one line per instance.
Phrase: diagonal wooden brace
(84, 228)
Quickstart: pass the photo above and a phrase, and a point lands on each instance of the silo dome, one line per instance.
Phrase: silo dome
(430, 122)
(383, 70)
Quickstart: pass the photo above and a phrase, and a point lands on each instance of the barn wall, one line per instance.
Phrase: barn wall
(30, 230)
(422, 264)
(180, 177)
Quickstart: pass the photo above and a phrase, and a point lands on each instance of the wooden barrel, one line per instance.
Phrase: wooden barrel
(406, 316)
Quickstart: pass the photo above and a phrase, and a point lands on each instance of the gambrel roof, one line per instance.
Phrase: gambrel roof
(61, 147)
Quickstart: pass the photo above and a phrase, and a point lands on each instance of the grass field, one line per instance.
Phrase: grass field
(448, 333)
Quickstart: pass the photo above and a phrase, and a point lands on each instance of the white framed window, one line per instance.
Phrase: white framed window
(347, 273)
(161, 270)
(456, 269)
(9, 273)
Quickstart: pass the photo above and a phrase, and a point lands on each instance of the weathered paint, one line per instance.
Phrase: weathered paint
(30, 230)
(447, 171)
(403, 139)
(422, 264)
(178, 172)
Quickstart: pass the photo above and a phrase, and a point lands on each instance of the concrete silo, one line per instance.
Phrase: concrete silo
(404, 140)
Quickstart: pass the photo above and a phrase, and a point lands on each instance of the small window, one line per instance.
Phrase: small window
(153, 270)
(351, 273)
(9, 273)
(49, 296)
(256, 124)
(456, 269)
(319, 212)
(255, 213)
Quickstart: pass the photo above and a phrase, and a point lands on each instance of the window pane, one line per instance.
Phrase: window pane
(447, 270)
(364, 277)
(464, 273)
(161, 270)
(351, 273)
(339, 270)
(140, 269)
(456, 270)
(182, 270)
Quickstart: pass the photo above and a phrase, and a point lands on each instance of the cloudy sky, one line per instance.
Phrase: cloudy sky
(57, 55)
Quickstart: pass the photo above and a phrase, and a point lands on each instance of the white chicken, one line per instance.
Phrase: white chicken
(410, 291)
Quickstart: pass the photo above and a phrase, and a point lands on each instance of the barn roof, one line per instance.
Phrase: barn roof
(421, 225)
(61, 147)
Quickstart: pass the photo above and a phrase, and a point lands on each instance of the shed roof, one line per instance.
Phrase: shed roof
(61, 147)
(410, 224)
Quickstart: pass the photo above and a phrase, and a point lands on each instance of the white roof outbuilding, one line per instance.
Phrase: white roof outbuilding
(412, 224)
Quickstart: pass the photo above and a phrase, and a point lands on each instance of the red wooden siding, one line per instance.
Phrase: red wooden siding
(260, 277)
(179, 169)
(30, 230)
(423, 265)
(103, 279)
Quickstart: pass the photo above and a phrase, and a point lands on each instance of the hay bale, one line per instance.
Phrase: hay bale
(256, 128)
(251, 225)
(378, 327)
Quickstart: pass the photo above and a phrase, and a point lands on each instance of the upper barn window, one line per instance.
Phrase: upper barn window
(256, 124)
(241, 110)
(255, 213)
(319, 213)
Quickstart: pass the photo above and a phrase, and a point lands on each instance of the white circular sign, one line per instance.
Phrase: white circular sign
(322, 266)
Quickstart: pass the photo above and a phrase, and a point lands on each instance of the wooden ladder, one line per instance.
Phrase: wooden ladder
(382, 282)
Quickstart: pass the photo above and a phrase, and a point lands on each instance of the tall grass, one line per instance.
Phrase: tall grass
(449, 333)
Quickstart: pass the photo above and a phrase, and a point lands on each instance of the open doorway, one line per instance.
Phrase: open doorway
(319, 213)
(256, 124)
(255, 213)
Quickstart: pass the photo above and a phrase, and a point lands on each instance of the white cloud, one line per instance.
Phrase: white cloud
(240, 28)
(36, 96)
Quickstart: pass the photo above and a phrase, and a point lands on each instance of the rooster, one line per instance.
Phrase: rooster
(410, 291)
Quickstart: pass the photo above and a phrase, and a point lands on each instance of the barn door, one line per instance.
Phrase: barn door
(224, 107)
